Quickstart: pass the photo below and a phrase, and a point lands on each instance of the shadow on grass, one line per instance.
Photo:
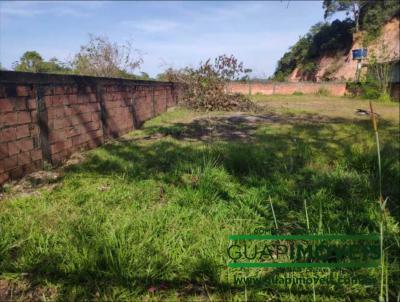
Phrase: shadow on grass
(266, 157)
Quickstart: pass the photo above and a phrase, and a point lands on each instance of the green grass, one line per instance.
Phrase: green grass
(150, 218)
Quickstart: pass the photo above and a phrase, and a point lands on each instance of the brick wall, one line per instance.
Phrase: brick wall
(47, 117)
(336, 89)
(20, 150)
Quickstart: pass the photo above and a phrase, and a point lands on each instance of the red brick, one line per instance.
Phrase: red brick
(17, 173)
(38, 164)
(48, 101)
(9, 119)
(76, 140)
(73, 99)
(73, 131)
(57, 147)
(95, 134)
(49, 90)
(109, 105)
(24, 117)
(32, 104)
(34, 130)
(93, 126)
(58, 158)
(34, 116)
(8, 134)
(22, 131)
(84, 108)
(93, 143)
(10, 163)
(25, 144)
(57, 136)
(74, 120)
(83, 99)
(59, 90)
(4, 151)
(20, 103)
(60, 123)
(71, 90)
(92, 98)
(36, 154)
(29, 168)
(24, 158)
(86, 117)
(59, 100)
(23, 90)
(94, 107)
(6, 105)
(4, 177)
(13, 148)
(68, 111)
(96, 117)
(54, 113)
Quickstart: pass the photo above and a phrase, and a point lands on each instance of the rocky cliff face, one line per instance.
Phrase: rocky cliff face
(342, 67)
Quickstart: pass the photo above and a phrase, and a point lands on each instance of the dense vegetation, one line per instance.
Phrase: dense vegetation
(336, 37)
(32, 61)
(321, 39)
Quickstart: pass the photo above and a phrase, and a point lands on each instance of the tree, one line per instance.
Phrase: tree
(380, 68)
(100, 57)
(55, 66)
(353, 7)
(32, 61)
(143, 76)
(169, 75)
(322, 39)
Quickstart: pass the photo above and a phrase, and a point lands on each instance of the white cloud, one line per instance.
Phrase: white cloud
(57, 8)
(150, 26)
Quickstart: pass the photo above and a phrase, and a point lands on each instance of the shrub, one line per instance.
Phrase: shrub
(322, 91)
(370, 90)
(297, 93)
(385, 98)
(366, 89)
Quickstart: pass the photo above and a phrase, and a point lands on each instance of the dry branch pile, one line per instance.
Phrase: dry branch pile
(205, 86)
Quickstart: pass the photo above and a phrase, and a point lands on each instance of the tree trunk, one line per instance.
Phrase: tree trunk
(356, 14)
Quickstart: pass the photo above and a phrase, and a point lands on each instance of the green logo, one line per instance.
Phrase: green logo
(304, 251)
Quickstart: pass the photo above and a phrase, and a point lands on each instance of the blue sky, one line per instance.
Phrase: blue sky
(169, 34)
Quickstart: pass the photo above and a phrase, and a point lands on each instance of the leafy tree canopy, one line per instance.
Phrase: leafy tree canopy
(32, 61)
(100, 57)
(322, 38)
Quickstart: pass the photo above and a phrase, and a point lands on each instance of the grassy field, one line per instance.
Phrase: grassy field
(147, 217)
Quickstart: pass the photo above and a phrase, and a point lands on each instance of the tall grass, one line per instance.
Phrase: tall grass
(308, 229)
(384, 270)
(273, 213)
